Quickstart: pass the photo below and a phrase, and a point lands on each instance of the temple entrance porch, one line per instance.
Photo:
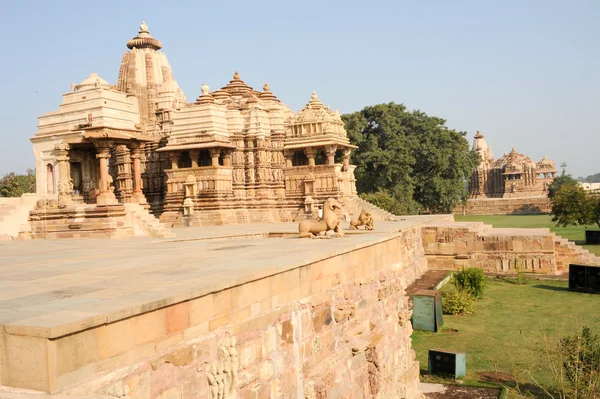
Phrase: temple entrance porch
(101, 172)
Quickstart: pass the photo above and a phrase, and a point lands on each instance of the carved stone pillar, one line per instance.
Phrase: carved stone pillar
(124, 175)
(330, 152)
(106, 195)
(174, 158)
(215, 153)
(346, 159)
(194, 154)
(65, 186)
(289, 157)
(138, 194)
(310, 154)
(227, 158)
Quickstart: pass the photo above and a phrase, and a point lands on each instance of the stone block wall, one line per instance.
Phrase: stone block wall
(505, 206)
(336, 328)
(452, 246)
(80, 221)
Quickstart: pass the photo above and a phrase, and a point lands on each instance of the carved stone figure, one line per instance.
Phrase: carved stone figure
(188, 207)
(364, 219)
(329, 222)
(234, 364)
(213, 387)
(220, 377)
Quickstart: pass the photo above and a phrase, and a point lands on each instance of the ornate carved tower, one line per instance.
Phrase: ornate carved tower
(145, 72)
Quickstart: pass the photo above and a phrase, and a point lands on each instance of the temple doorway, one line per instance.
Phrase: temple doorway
(49, 179)
(76, 177)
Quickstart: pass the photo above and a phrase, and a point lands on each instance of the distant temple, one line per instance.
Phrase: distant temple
(514, 175)
(235, 154)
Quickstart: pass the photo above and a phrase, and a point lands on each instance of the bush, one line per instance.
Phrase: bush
(470, 280)
(581, 364)
(457, 302)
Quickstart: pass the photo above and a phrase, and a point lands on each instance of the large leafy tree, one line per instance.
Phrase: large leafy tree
(572, 205)
(408, 161)
(12, 185)
(564, 179)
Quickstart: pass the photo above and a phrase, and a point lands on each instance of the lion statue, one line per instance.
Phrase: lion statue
(364, 219)
(327, 223)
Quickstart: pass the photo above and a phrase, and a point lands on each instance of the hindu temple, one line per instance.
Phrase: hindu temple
(513, 183)
(233, 155)
(512, 175)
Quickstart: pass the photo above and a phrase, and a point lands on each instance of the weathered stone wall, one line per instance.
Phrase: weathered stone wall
(80, 221)
(336, 328)
(452, 246)
(505, 206)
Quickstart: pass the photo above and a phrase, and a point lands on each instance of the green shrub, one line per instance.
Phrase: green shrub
(457, 302)
(581, 364)
(470, 280)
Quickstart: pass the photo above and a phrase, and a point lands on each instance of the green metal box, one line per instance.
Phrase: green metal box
(427, 310)
(447, 362)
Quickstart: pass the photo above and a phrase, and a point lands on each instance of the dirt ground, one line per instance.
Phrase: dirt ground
(458, 392)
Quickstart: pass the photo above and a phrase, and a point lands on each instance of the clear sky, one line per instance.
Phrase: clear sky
(523, 72)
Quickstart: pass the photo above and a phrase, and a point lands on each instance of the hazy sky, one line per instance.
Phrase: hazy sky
(524, 73)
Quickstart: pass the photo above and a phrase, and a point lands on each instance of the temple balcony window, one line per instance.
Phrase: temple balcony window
(184, 160)
(300, 158)
(321, 158)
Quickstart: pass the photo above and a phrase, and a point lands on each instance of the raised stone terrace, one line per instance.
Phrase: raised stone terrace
(103, 316)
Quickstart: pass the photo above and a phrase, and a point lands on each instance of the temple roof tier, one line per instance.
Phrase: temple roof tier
(93, 81)
(114, 134)
(196, 146)
(317, 143)
(237, 86)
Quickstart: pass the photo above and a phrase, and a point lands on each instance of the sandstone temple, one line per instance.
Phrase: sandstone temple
(514, 178)
(233, 155)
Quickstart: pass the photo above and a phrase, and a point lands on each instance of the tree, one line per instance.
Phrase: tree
(12, 185)
(572, 205)
(559, 181)
(408, 161)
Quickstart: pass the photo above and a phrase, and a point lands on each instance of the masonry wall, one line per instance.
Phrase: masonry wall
(337, 328)
(503, 206)
(495, 251)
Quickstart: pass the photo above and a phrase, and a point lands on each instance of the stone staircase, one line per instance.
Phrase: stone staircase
(145, 224)
(14, 216)
(568, 252)
(354, 205)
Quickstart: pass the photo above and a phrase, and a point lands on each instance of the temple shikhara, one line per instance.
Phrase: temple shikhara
(233, 155)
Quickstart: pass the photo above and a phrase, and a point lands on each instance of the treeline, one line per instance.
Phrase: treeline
(590, 179)
(408, 162)
(13, 185)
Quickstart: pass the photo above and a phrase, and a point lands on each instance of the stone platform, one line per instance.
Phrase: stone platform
(147, 316)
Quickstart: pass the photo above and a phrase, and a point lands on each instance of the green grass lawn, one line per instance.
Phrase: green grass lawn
(573, 233)
(506, 333)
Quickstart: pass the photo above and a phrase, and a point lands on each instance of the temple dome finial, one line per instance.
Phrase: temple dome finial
(205, 97)
(314, 96)
(205, 89)
(144, 39)
(266, 94)
(236, 75)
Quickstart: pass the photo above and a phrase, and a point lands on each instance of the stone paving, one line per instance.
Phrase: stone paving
(51, 288)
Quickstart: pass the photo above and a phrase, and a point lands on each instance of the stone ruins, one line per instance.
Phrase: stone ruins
(234, 155)
(512, 183)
